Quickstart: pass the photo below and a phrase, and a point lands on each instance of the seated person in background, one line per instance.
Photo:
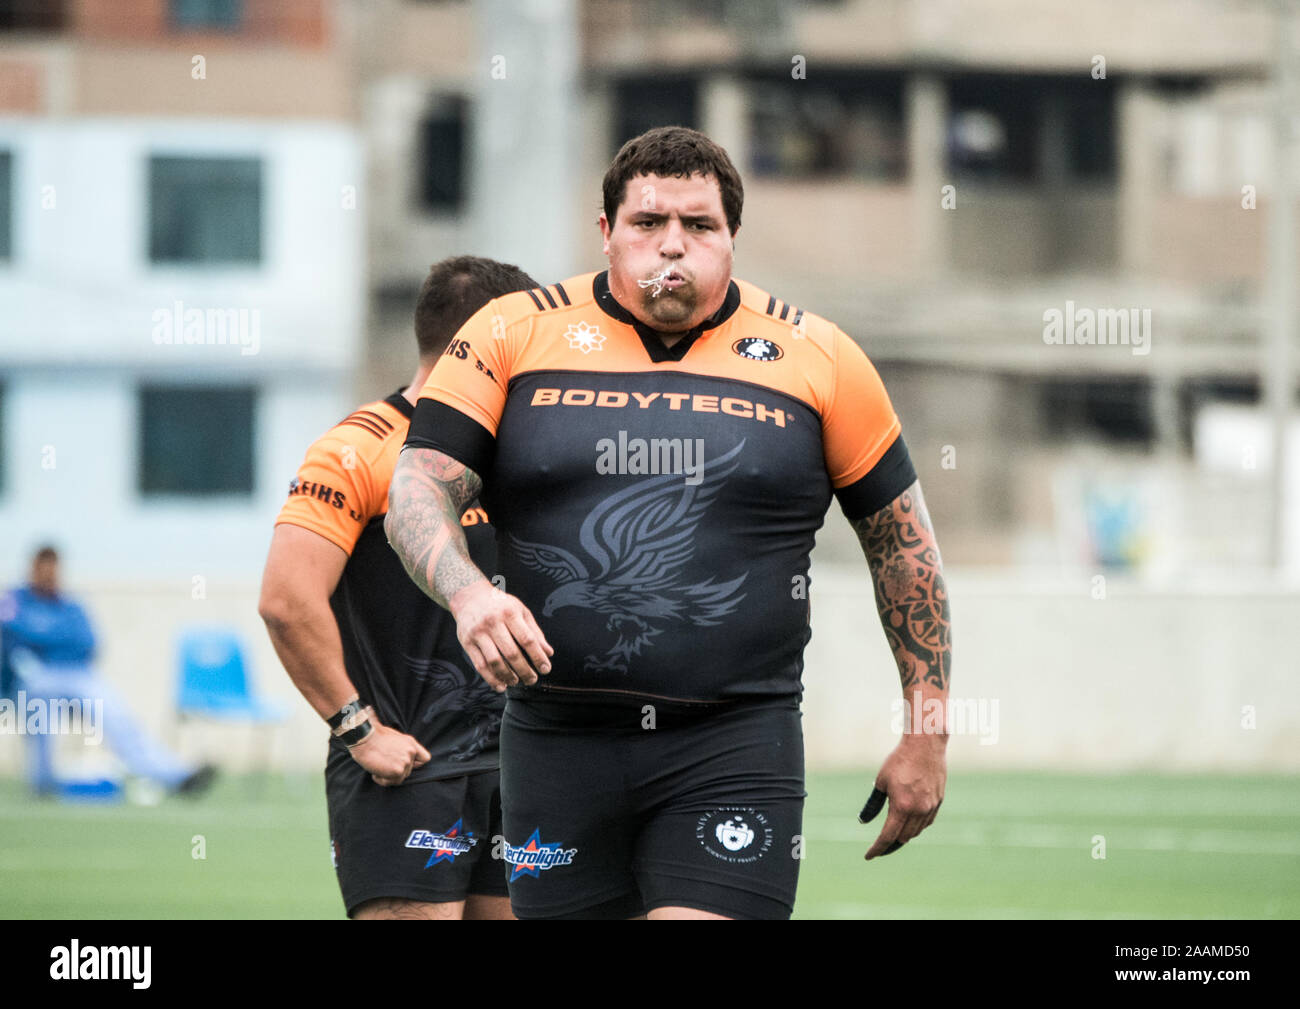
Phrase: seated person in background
(37, 619)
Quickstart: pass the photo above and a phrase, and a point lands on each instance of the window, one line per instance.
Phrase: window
(1109, 409)
(200, 14)
(997, 127)
(992, 130)
(645, 103)
(1091, 127)
(6, 204)
(840, 126)
(196, 440)
(442, 156)
(34, 15)
(205, 210)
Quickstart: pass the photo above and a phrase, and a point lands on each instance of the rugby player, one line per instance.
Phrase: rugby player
(657, 444)
(411, 776)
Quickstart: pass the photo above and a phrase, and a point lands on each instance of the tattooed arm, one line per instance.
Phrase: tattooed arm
(429, 490)
(912, 601)
(911, 596)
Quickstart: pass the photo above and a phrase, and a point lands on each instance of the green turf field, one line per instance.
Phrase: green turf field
(1005, 846)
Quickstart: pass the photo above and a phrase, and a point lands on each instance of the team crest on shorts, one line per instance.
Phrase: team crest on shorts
(446, 846)
(735, 834)
(757, 349)
(534, 855)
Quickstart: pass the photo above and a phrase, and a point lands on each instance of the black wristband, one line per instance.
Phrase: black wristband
(345, 712)
(354, 736)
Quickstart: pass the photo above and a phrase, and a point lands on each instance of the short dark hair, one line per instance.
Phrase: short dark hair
(45, 552)
(676, 151)
(454, 290)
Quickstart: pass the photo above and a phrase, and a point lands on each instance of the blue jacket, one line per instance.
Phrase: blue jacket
(55, 630)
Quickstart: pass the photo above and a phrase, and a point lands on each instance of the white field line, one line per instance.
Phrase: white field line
(1058, 836)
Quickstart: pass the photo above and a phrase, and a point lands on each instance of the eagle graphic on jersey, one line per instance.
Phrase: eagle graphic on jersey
(456, 693)
(639, 539)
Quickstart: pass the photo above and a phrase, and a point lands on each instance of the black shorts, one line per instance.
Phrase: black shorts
(429, 841)
(605, 818)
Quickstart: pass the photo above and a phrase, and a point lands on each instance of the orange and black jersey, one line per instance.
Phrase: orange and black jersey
(655, 507)
(399, 647)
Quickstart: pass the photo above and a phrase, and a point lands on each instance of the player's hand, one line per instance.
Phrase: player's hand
(912, 779)
(390, 756)
(500, 636)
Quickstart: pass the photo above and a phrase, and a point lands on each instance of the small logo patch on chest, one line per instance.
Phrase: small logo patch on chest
(584, 337)
(757, 349)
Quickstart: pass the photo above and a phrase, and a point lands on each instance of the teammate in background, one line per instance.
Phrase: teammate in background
(411, 777)
(47, 650)
(657, 445)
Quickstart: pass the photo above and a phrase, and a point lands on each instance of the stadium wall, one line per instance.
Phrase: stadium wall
(1047, 676)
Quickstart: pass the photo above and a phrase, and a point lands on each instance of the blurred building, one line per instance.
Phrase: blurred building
(936, 177)
(182, 275)
(215, 216)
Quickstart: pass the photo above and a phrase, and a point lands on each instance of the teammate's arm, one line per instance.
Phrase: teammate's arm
(912, 601)
(428, 492)
(301, 573)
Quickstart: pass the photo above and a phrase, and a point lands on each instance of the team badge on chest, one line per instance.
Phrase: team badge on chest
(757, 349)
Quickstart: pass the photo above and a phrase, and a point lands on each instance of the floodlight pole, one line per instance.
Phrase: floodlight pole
(525, 134)
(1277, 377)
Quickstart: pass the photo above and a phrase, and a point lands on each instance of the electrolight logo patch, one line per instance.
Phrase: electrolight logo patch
(446, 846)
(534, 855)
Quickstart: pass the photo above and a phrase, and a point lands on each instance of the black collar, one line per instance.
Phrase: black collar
(654, 346)
(401, 404)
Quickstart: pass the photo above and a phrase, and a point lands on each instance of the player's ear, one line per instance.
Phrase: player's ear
(605, 229)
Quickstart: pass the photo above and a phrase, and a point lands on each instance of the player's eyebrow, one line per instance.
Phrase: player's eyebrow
(656, 216)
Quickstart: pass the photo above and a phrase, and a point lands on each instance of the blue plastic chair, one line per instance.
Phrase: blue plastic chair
(213, 680)
(213, 684)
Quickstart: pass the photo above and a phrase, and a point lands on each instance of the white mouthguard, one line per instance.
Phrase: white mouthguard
(657, 281)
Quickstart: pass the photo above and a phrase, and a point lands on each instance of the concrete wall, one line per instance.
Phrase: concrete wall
(1136, 680)
(1156, 36)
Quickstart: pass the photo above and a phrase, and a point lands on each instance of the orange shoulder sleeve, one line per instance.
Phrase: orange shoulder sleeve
(473, 372)
(334, 493)
(860, 423)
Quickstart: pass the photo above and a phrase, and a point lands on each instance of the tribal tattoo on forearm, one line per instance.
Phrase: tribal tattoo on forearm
(428, 492)
(911, 595)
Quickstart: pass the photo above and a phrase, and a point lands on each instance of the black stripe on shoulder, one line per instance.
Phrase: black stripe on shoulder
(888, 478)
(447, 430)
(798, 314)
(564, 297)
(362, 417)
(536, 300)
(547, 295)
(785, 310)
(365, 425)
(771, 303)
(371, 415)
